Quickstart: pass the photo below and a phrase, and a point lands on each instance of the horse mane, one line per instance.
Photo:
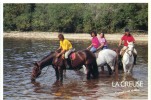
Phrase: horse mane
(45, 61)
(117, 50)
(47, 56)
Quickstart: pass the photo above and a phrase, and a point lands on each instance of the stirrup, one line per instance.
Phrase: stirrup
(68, 66)
(73, 49)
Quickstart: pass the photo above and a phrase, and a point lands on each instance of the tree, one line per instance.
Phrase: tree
(69, 18)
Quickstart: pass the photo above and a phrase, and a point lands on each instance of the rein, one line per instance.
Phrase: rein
(80, 56)
(43, 73)
(128, 53)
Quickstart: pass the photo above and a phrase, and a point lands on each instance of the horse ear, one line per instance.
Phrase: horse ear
(35, 63)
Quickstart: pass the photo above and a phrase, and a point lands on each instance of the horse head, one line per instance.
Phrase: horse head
(130, 47)
(39, 65)
(35, 72)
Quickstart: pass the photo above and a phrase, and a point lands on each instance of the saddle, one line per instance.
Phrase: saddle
(96, 54)
(122, 53)
(71, 57)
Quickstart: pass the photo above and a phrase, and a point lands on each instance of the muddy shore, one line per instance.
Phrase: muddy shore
(83, 36)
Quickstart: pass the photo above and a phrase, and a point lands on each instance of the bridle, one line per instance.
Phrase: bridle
(39, 70)
(128, 52)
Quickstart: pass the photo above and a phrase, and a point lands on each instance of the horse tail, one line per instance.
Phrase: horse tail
(95, 69)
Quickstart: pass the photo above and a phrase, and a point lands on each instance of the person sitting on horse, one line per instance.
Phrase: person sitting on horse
(66, 48)
(95, 42)
(127, 37)
(102, 41)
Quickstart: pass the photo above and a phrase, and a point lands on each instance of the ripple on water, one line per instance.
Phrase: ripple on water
(17, 71)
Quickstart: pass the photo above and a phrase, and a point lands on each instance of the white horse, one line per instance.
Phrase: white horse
(106, 57)
(128, 59)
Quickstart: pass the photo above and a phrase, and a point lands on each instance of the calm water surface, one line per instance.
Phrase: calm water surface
(19, 55)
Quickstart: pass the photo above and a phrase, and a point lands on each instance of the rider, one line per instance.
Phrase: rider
(95, 42)
(102, 41)
(66, 49)
(127, 37)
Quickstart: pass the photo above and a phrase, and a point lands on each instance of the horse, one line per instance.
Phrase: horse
(107, 57)
(128, 58)
(119, 61)
(80, 58)
(77, 59)
(39, 65)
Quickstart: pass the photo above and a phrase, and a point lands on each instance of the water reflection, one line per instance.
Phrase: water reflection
(19, 54)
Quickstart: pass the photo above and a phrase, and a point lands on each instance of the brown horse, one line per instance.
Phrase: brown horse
(119, 59)
(84, 57)
(39, 65)
(77, 59)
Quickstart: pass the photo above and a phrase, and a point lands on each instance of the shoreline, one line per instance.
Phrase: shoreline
(72, 36)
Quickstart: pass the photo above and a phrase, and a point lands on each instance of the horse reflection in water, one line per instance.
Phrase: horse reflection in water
(84, 57)
(67, 90)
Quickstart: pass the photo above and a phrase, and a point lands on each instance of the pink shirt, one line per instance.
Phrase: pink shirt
(103, 40)
(95, 42)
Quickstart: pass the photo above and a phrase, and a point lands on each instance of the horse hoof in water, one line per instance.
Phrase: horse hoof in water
(33, 80)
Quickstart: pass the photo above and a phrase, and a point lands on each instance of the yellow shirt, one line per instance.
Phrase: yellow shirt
(65, 44)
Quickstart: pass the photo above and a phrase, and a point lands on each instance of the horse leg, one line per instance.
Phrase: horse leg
(91, 69)
(109, 69)
(64, 72)
(61, 74)
(88, 71)
(130, 69)
(119, 61)
(84, 69)
(102, 69)
(124, 67)
(95, 71)
(57, 73)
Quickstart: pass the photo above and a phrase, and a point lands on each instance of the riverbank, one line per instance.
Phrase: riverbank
(54, 35)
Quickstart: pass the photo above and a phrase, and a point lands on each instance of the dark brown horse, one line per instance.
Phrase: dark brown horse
(39, 65)
(119, 59)
(77, 59)
(84, 57)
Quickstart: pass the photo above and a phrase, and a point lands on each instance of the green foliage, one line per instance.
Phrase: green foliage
(75, 17)
(18, 17)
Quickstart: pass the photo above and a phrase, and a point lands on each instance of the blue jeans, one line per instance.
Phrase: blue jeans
(93, 49)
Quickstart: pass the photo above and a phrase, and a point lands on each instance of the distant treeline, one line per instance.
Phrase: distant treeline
(76, 18)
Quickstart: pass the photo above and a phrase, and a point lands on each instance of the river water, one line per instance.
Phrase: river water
(19, 55)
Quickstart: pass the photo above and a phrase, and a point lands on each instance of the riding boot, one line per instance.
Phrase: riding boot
(120, 64)
(120, 58)
(67, 64)
(135, 56)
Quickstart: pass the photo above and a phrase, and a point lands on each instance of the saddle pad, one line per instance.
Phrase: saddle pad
(72, 56)
(122, 53)
(96, 55)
